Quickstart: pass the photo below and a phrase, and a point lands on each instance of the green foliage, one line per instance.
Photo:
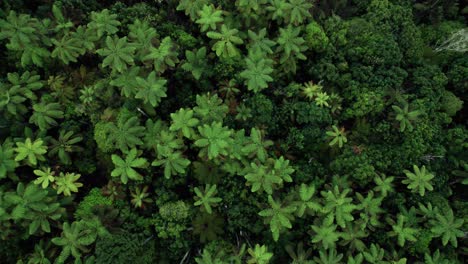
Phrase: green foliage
(118, 54)
(192, 7)
(258, 72)
(66, 183)
(257, 147)
(206, 197)
(260, 43)
(207, 258)
(76, 237)
(174, 211)
(125, 168)
(124, 247)
(215, 140)
(266, 93)
(298, 11)
(210, 108)
(278, 217)
(44, 115)
(127, 82)
(260, 178)
(311, 89)
(338, 205)
(435, 258)
(34, 55)
(140, 197)
(290, 44)
(142, 35)
(306, 203)
(68, 48)
(196, 62)
(183, 121)
(316, 37)
(337, 136)
(164, 56)
(62, 23)
(22, 88)
(174, 163)
(403, 232)
(19, 29)
(259, 255)
(384, 184)
(45, 177)
(371, 208)
(300, 256)
(32, 204)
(226, 41)
(405, 116)
(418, 181)
(33, 151)
(64, 145)
(322, 99)
(151, 90)
(7, 161)
(326, 234)
(447, 226)
(268, 177)
(207, 226)
(375, 254)
(91, 201)
(103, 23)
(451, 104)
(126, 134)
(209, 17)
(329, 257)
(167, 143)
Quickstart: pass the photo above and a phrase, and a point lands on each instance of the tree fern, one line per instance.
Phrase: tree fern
(326, 234)
(206, 197)
(64, 145)
(184, 121)
(338, 205)
(448, 227)
(7, 159)
(258, 72)
(142, 36)
(209, 17)
(67, 49)
(67, 183)
(306, 202)
(259, 42)
(196, 62)
(103, 23)
(118, 54)
(257, 146)
(127, 133)
(33, 151)
(226, 41)
(19, 29)
(21, 88)
(173, 162)
(164, 56)
(151, 90)
(214, 139)
(419, 181)
(125, 168)
(44, 115)
(278, 217)
(402, 231)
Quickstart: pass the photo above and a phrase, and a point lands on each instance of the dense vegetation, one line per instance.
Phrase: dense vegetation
(248, 131)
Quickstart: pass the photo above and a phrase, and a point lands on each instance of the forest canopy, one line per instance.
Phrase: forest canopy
(246, 131)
